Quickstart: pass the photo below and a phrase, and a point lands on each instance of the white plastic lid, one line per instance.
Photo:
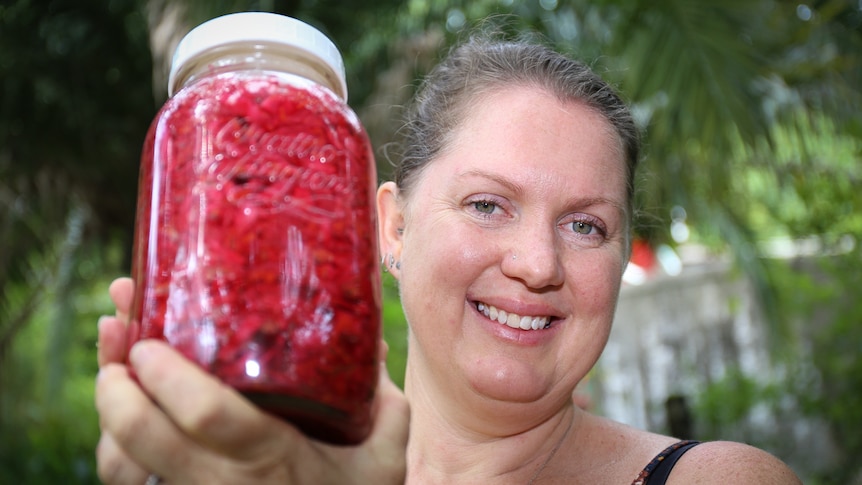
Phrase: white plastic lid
(258, 27)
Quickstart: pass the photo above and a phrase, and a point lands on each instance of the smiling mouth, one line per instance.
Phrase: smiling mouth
(524, 322)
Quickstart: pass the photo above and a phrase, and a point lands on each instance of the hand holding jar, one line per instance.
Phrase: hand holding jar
(182, 422)
(256, 285)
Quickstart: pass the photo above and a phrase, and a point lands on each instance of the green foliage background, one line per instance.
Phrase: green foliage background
(752, 120)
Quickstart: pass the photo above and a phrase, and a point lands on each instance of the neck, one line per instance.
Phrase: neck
(463, 438)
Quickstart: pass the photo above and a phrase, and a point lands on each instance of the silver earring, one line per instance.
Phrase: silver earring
(398, 265)
(391, 260)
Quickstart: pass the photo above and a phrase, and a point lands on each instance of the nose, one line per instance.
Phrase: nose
(533, 258)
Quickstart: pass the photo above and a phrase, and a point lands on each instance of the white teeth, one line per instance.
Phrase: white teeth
(513, 320)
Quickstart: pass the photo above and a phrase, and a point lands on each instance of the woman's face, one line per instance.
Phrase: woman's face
(522, 221)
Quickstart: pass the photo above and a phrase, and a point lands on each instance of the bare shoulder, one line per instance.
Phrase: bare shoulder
(616, 452)
(731, 462)
(711, 462)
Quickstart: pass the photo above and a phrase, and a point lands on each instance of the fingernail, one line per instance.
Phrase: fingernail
(140, 353)
(100, 374)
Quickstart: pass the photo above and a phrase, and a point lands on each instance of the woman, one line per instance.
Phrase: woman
(508, 229)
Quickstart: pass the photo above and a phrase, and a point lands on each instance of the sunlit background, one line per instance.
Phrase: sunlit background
(740, 317)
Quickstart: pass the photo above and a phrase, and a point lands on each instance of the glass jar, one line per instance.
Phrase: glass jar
(255, 251)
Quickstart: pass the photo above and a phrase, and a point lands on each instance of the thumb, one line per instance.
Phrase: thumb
(392, 412)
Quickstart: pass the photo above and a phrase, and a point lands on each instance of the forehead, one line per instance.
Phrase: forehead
(527, 128)
(505, 106)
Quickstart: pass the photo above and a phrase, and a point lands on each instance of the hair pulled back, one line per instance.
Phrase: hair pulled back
(485, 63)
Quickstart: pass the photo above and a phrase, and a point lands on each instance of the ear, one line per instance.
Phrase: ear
(390, 227)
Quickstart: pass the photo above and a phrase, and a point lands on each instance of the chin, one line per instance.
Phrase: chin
(505, 379)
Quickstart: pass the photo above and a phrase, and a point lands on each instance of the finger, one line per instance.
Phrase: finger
(383, 454)
(122, 292)
(392, 413)
(383, 350)
(112, 341)
(139, 427)
(206, 409)
(114, 466)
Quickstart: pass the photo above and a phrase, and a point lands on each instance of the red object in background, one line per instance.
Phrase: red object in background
(643, 255)
(256, 248)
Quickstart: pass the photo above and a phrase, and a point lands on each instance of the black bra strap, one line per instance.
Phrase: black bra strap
(664, 462)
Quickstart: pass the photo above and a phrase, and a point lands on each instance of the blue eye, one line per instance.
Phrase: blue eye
(484, 206)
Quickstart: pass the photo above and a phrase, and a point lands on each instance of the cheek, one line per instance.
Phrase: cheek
(447, 247)
(595, 288)
(438, 266)
(596, 281)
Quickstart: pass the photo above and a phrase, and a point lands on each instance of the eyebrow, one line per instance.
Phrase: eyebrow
(514, 187)
(576, 202)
